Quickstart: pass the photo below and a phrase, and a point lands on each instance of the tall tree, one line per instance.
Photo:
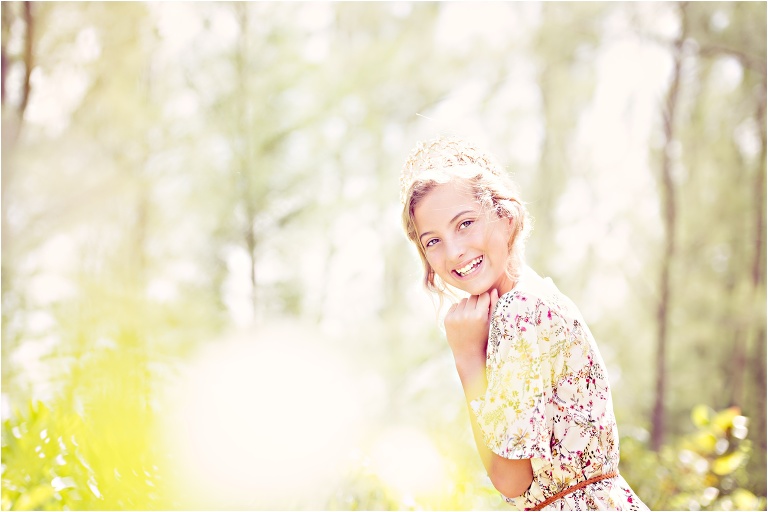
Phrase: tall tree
(561, 60)
(14, 106)
(668, 192)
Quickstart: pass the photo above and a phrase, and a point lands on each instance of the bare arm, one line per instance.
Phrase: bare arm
(466, 327)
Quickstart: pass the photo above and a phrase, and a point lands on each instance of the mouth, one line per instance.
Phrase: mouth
(469, 268)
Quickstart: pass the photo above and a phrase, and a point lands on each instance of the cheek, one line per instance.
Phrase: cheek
(498, 240)
(436, 263)
(491, 234)
(432, 260)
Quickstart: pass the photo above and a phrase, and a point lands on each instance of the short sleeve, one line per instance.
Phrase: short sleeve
(512, 414)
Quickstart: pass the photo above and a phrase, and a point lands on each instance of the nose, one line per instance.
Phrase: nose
(455, 250)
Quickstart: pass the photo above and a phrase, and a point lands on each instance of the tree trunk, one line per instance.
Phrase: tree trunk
(669, 215)
(758, 262)
(738, 367)
(6, 29)
(758, 292)
(28, 53)
(245, 134)
(12, 121)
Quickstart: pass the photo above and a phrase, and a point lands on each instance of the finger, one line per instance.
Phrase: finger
(483, 301)
(472, 302)
(494, 299)
(452, 312)
(458, 308)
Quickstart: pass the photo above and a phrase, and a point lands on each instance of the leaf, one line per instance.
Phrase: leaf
(701, 415)
(744, 500)
(727, 464)
(704, 442)
(724, 419)
(34, 499)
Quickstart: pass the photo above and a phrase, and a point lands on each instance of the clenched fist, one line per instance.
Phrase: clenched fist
(467, 323)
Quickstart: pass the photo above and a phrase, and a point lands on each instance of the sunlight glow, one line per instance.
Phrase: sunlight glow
(407, 460)
(268, 419)
(237, 287)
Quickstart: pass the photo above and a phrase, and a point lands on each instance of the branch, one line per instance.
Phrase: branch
(28, 60)
(3, 68)
(713, 50)
(716, 50)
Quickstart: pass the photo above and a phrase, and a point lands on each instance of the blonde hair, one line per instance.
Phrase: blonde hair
(444, 159)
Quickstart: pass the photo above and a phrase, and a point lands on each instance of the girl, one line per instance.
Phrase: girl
(533, 377)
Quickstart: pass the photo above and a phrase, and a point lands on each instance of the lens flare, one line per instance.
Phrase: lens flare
(407, 460)
(267, 420)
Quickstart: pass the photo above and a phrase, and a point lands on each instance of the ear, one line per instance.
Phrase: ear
(511, 223)
(430, 272)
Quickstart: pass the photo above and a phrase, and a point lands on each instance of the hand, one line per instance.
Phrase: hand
(467, 324)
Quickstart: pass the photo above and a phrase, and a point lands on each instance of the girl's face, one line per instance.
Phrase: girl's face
(466, 247)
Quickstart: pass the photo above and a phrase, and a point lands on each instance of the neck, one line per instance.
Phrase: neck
(507, 285)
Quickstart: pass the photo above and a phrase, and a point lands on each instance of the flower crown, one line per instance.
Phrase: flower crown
(441, 152)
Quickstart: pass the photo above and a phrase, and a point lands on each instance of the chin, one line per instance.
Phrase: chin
(474, 290)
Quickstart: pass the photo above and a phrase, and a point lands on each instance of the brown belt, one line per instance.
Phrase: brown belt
(574, 488)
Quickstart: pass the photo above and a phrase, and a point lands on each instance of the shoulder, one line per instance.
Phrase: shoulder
(535, 300)
(530, 292)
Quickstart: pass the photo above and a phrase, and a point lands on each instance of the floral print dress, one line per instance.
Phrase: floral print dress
(548, 400)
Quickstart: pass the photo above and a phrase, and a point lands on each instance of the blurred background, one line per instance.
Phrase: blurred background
(207, 298)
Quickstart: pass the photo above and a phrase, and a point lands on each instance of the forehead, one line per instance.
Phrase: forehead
(442, 203)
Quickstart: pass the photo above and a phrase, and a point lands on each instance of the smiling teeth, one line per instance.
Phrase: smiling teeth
(470, 266)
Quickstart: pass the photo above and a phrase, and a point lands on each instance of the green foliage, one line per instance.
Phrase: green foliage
(54, 459)
(703, 470)
(182, 166)
(43, 468)
(465, 486)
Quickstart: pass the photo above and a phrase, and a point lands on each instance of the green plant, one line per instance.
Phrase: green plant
(53, 459)
(704, 470)
(43, 464)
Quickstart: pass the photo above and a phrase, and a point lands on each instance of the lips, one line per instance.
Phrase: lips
(469, 267)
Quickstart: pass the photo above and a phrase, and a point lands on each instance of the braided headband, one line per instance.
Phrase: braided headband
(442, 152)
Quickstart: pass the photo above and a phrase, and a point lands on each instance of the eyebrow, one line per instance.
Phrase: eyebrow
(449, 223)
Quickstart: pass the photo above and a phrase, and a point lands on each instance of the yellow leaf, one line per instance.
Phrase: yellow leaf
(701, 415)
(704, 442)
(727, 464)
(744, 500)
(34, 499)
(724, 419)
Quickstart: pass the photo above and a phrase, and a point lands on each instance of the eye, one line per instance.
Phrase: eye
(465, 224)
(431, 242)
